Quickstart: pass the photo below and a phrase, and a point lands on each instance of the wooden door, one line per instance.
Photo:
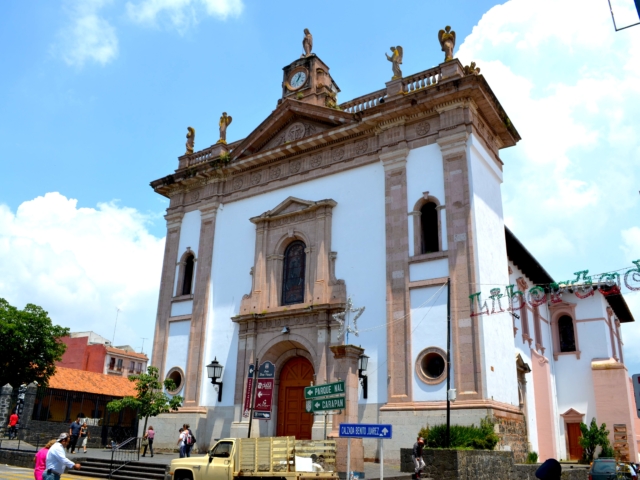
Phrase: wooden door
(574, 433)
(292, 417)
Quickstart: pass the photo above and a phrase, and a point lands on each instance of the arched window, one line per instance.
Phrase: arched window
(429, 224)
(566, 334)
(187, 281)
(293, 273)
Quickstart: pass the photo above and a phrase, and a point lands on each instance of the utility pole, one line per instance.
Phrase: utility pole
(143, 339)
(114, 327)
(448, 435)
(256, 368)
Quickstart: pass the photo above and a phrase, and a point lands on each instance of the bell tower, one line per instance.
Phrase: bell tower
(308, 80)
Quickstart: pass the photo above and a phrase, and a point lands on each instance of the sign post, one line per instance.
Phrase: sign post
(365, 430)
(264, 391)
(247, 398)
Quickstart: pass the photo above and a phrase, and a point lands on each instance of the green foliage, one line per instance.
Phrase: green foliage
(225, 157)
(150, 400)
(607, 451)
(462, 437)
(30, 345)
(593, 436)
(532, 457)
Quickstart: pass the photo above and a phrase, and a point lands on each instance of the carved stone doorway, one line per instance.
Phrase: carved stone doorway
(292, 418)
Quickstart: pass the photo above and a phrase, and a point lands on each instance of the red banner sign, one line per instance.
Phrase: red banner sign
(247, 397)
(264, 395)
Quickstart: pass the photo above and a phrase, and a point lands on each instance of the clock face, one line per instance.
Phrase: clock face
(298, 79)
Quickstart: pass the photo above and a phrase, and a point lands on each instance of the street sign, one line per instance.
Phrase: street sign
(327, 389)
(365, 430)
(262, 415)
(636, 392)
(247, 397)
(322, 404)
(264, 391)
(267, 370)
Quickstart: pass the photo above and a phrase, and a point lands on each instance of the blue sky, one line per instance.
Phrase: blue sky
(96, 97)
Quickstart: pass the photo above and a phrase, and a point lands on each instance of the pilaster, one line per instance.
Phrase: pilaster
(167, 281)
(195, 359)
(397, 253)
(462, 262)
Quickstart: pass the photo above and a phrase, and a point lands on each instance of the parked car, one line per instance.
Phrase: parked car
(609, 469)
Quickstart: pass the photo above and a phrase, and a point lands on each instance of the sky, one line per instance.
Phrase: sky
(96, 97)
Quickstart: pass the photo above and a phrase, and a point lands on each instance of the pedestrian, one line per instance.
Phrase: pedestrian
(57, 460)
(190, 440)
(418, 462)
(85, 435)
(181, 443)
(13, 425)
(149, 438)
(40, 460)
(74, 433)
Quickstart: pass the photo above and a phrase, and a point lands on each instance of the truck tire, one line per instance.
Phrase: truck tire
(183, 475)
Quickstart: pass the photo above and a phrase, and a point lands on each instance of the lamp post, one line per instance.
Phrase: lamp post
(363, 361)
(214, 372)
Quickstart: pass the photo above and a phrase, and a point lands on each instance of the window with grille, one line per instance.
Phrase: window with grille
(293, 276)
(566, 334)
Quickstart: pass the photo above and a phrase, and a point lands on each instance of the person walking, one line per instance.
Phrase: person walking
(13, 425)
(149, 438)
(190, 440)
(181, 442)
(85, 435)
(40, 460)
(57, 461)
(418, 462)
(74, 433)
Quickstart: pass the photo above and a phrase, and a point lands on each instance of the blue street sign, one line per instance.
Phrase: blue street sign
(365, 430)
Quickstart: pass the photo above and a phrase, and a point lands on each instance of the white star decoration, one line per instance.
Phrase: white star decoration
(343, 319)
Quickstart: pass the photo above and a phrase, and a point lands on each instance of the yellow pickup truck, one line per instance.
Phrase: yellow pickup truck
(267, 458)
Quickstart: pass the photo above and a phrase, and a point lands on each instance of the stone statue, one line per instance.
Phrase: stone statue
(471, 69)
(396, 61)
(447, 39)
(307, 43)
(191, 139)
(225, 121)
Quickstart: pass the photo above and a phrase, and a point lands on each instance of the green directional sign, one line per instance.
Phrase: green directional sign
(324, 404)
(325, 390)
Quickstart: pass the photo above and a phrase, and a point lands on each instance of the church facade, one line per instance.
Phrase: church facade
(382, 199)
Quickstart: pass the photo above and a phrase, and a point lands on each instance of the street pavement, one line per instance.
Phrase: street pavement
(7, 472)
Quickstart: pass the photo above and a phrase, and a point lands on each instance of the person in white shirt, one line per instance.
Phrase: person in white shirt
(57, 460)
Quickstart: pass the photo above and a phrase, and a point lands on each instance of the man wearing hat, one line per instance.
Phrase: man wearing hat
(418, 462)
(57, 460)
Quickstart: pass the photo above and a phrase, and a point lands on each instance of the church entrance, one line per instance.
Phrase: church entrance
(574, 433)
(293, 420)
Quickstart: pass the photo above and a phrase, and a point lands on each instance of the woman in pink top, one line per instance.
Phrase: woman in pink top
(40, 460)
(149, 438)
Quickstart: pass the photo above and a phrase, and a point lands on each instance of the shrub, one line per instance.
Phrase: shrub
(592, 436)
(532, 457)
(469, 437)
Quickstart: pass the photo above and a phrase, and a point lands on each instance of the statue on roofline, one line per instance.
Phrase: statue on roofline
(447, 38)
(307, 43)
(471, 69)
(225, 121)
(191, 139)
(396, 61)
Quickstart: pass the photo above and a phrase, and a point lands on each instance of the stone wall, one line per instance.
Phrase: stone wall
(41, 431)
(5, 404)
(513, 436)
(17, 458)
(528, 472)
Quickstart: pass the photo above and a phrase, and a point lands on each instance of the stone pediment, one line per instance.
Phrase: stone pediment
(290, 206)
(290, 122)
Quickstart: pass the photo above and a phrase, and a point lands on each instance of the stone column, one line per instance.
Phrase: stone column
(167, 281)
(197, 334)
(27, 409)
(5, 404)
(462, 260)
(397, 252)
(346, 368)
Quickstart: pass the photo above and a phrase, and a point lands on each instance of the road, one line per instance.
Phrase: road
(7, 472)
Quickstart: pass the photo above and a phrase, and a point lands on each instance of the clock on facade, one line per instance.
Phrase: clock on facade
(297, 79)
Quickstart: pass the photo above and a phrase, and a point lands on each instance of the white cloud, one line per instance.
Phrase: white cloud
(79, 264)
(181, 14)
(631, 247)
(89, 37)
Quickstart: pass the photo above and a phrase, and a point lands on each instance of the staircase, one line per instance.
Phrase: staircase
(99, 468)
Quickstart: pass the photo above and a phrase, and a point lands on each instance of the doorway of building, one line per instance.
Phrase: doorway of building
(293, 420)
(574, 433)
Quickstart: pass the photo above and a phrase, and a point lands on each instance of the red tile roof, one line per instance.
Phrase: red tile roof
(119, 351)
(90, 382)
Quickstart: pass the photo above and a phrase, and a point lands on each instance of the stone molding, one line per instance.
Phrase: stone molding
(557, 310)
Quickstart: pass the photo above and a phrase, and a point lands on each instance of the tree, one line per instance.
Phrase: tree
(592, 437)
(31, 344)
(150, 400)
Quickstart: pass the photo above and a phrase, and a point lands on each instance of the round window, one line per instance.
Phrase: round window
(177, 375)
(431, 365)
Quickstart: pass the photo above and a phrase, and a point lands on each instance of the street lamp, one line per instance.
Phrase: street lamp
(363, 360)
(214, 372)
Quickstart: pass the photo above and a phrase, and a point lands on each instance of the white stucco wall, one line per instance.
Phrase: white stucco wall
(177, 347)
(359, 239)
(189, 237)
(429, 329)
(429, 270)
(496, 330)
